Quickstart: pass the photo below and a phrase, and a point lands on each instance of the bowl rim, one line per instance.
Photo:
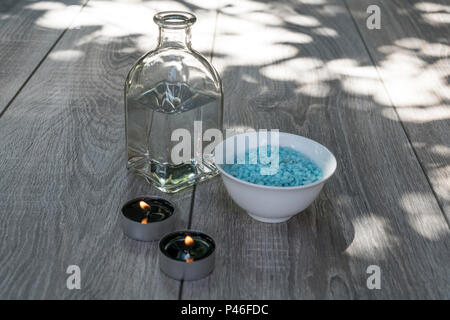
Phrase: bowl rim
(322, 180)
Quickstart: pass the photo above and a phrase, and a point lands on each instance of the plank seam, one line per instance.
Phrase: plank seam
(395, 110)
(41, 61)
(214, 35)
(180, 292)
(191, 209)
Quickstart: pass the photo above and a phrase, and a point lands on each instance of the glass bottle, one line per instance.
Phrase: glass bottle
(172, 95)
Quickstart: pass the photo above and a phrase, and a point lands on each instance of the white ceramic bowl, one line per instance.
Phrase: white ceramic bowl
(277, 204)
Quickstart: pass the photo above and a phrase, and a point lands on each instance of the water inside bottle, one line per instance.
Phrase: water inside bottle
(152, 118)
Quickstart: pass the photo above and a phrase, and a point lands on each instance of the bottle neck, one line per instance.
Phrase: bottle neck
(178, 38)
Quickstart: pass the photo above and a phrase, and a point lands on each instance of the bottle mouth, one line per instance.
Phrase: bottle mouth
(174, 19)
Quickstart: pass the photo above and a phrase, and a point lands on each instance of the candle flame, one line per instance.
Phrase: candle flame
(189, 260)
(144, 221)
(188, 240)
(144, 205)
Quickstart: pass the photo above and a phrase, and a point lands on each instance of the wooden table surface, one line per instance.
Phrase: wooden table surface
(378, 99)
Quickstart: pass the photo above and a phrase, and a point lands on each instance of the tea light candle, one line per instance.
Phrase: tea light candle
(147, 218)
(187, 255)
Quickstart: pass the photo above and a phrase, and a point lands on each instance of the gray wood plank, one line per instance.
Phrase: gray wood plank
(7, 5)
(28, 30)
(411, 51)
(294, 66)
(63, 176)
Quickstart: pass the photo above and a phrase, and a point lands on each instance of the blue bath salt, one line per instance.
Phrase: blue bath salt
(293, 168)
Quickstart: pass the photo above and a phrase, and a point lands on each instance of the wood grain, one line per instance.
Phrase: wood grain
(294, 66)
(299, 66)
(63, 166)
(27, 33)
(411, 52)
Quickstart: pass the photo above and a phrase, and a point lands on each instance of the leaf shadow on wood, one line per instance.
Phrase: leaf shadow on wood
(300, 68)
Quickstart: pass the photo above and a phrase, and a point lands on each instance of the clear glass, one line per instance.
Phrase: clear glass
(170, 88)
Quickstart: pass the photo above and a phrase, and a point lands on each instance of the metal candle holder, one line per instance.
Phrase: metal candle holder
(187, 261)
(147, 218)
